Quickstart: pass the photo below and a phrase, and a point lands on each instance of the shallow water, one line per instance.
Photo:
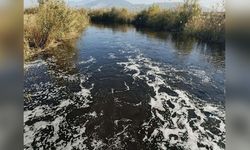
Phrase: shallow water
(124, 88)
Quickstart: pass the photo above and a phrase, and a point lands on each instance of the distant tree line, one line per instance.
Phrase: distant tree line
(187, 18)
(53, 21)
(113, 15)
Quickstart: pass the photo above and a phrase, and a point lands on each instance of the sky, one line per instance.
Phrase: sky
(207, 3)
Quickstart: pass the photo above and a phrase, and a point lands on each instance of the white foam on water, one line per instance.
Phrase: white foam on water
(65, 103)
(131, 67)
(178, 125)
(29, 132)
(37, 112)
(112, 56)
(181, 105)
(34, 64)
(157, 104)
(100, 68)
(97, 144)
(50, 91)
(200, 74)
(79, 139)
(90, 60)
(69, 77)
(127, 87)
(85, 93)
(93, 114)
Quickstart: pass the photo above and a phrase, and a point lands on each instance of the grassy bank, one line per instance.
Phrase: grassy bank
(187, 18)
(49, 25)
(53, 23)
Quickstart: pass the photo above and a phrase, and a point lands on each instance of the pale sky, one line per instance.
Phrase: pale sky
(207, 3)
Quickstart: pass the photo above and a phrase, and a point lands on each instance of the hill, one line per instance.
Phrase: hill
(96, 4)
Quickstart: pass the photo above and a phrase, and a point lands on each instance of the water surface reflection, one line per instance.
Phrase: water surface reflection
(124, 88)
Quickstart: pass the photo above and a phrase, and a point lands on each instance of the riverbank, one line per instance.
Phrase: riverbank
(139, 86)
(50, 25)
(53, 23)
(187, 19)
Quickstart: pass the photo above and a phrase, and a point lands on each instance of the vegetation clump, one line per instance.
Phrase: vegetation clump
(207, 26)
(113, 15)
(167, 19)
(187, 18)
(52, 24)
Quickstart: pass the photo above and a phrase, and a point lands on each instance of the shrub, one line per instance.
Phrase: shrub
(208, 26)
(113, 15)
(148, 17)
(167, 19)
(53, 23)
(187, 18)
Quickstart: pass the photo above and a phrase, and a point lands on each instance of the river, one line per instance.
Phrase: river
(124, 88)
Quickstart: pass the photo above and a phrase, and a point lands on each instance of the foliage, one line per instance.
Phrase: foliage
(54, 22)
(113, 15)
(208, 26)
(187, 18)
(167, 19)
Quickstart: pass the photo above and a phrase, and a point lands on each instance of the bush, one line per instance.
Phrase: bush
(166, 19)
(208, 26)
(114, 15)
(188, 18)
(53, 23)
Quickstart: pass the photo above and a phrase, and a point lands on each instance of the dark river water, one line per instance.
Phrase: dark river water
(126, 89)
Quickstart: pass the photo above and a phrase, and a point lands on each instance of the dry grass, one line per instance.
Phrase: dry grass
(166, 19)
(207, 26)
(114, 15)
(53, 24)
(187, 18)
